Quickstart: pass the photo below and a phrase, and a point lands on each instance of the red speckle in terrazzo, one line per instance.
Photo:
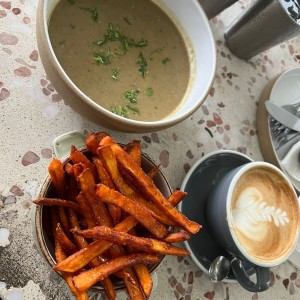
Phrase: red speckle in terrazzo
(34, 55)
(26, 20)
(43, 82)
(174, 137)
(16, 10)
(191, 278)
(8, 39)
(255, 296)
(272, 282)
(46, 153)
(186, 167)
(3, 13)
(177, 295)
(227, 127)
(220, 129)
(189, 154)
(46, 91)
(147, 139)
(5, 4)
(4, 93)
(291, 49)
(292, 288)
(293, 276)
(154, 137)
(180, 289)
(205, 110)
(198, 273)
(217, 119)
(173, 281)
(50, 87)
(297, 283)
(16, 191)
(210, 123)
(6, 50)
(212, 92)
(22, 72)
(226, 139)
(164, 158)
(219, 145)
(242, 149)
(30, 158)
(56, 97)
(286, 283)
(209, 295)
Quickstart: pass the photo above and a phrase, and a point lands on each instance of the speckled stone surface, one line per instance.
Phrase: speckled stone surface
(32, 114)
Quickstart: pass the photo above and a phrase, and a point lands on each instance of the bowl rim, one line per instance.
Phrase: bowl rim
(38, 222)
(159, 124)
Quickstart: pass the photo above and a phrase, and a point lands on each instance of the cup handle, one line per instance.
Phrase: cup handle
(263, 277)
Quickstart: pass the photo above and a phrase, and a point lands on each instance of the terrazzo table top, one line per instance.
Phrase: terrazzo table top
(32, 114)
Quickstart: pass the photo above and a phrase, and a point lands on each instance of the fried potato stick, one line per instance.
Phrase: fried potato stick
(133, 208)
(58, 178)
(177, 237)
(132, 285)
(56, 202)
(176, 197)
(110, 163)
(92, 141)
(68, 277)
(86, 279)
(123, 238)
(142, 271)
(81, 258)
(88, 186)
(133, 148)
(149, 188)
(105, 179)
(82, 243)
(64, 241)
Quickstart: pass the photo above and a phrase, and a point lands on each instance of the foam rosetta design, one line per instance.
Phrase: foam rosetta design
(252, 215)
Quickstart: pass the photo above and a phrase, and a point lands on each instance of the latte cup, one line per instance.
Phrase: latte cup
(254, 214)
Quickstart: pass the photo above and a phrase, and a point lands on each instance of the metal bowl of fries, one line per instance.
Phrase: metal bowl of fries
(88, 220)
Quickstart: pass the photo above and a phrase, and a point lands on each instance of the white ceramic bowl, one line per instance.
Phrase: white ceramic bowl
(194, 25)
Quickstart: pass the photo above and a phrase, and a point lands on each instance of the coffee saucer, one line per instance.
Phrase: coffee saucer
(198, 183)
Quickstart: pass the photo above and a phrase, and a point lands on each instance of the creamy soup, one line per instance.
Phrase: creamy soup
(126, 55)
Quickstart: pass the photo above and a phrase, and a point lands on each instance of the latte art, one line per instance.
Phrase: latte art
(264, 214)
(252, 212)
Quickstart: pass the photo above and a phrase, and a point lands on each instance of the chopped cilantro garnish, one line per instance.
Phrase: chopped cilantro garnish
(103, 57)
(93, 11)
(142, 62)
(134, 109)
(72, 1)
(114, 73)
(127, 21)
(131, 96)
(149, 92)
(120, 110)
(165, 60)
(114, 34)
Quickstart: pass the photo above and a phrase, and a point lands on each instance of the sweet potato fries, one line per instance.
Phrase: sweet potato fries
(107, 216)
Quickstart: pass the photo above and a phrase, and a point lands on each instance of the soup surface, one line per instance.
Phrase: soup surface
(126, 55)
